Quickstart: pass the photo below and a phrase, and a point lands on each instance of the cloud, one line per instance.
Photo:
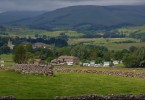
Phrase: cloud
(38, 5)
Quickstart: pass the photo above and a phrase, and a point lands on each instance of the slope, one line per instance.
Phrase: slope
(88, 16)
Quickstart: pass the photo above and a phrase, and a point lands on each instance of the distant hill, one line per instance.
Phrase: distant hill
(88, 17)
(8, 17)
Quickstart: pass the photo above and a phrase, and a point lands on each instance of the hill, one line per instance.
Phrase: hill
(8, 17)
(88, 17)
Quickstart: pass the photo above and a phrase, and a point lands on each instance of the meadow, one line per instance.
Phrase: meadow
(75, 37)
(66, 84)
(27, 32)
(129, 30)
(110, 43)
(8, 58)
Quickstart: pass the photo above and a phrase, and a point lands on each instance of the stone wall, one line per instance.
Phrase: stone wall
(116, 73)
(100, 97)
(33, 69)
(2, 68)
(7, 98)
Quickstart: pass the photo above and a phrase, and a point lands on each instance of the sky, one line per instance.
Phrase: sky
(48, 5)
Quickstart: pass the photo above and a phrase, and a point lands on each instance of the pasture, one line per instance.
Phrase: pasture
(8, 58)
(110, 43)
(25, 86)
(27, 32)
(135, 29)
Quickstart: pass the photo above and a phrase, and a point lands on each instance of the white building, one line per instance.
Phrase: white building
(106, 64)
(2, 62)
(116, 62)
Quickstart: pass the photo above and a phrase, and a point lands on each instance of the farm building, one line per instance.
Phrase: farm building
(116, 62)
(40, 45)
(106, 64)
(91, 64)
(68, 60)
(1, 62)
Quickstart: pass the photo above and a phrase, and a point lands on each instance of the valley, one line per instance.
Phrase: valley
(72, 51)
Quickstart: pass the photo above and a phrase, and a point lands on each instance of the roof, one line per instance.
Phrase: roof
(67, 57)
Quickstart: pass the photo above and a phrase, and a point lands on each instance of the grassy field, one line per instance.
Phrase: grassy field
(110, 43)
(113, 46)
(26, 32)
(135, 29)
(8, 58)
(66, 84)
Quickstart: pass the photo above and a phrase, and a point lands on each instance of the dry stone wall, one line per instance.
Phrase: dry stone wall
(3, 68)
(116, 73)
(99, 97)
(33, 69)
(7, 98)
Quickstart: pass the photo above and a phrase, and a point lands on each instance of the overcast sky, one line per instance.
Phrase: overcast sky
(38, 5)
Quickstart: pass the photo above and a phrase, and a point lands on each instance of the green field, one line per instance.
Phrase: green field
(135, 29)
(27, 32)
(110, 43)
(66, 84)
(74, 37)
(8, 58)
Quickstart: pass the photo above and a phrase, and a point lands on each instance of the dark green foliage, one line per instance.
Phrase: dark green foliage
(4, 49)
(135, 59)
(111, 64)
(20, 56)
(57, 41)
(132, 48)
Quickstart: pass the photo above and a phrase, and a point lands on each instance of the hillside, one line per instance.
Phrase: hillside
(88, 17)
(13, 31)
(8, 17)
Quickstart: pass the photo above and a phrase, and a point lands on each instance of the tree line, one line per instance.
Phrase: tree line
(134, 57)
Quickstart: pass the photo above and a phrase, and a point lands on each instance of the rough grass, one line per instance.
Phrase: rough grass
(113, 46)
(134, 29)
(66, 84)
(26, 32)
(7, 57)
(108, 42)
(101, 40)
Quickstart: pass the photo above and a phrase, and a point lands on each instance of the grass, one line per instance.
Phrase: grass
(66, 84)
(7, 57)
(134, 29)
(108, 42)
(8, 64)
(113, 46)
(27, 32)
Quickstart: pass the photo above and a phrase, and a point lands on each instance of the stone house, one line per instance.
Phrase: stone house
(68, 60)
(39, 45)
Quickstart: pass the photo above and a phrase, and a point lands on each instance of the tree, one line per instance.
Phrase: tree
(4, 49)
(28, 47)
(132, 48)
(135, 59)
(20, 55)
(111, 64)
